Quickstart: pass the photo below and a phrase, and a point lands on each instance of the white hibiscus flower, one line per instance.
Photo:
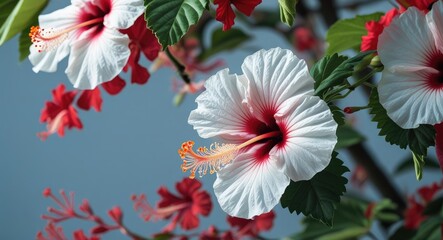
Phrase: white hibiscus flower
(88, 30)
(273, 130)
(411, 49)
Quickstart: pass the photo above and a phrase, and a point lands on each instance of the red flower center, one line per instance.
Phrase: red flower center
(94, 11)
(258, 127)
(435, 61)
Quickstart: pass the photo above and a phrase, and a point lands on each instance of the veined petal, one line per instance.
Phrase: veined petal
(407, 41)
(100, 60)
(274, 76)
(246, 188)
(61, 19)
(435, 21)
(220, 110)
(123, 13)
(311, 136)
(407, 99)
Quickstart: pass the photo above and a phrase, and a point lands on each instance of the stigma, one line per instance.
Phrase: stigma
(214, 158)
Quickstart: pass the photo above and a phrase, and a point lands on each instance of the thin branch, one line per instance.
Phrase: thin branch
(181, 69)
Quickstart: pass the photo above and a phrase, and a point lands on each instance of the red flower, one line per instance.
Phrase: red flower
(427, 193)
(304, 39)
(183, 208)
(90, 98)
(212, 233)
(252, 227)
(142, 40)
(60, 113)
(413, 214)
(375, 28)
(424, 5)
(225, 13)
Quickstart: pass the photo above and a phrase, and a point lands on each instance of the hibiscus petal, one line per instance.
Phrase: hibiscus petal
(407, 99)
(274, 76)
(61, 19)
(90, 98)
(435, 21)
(220, 110)
(246, 188)
(115, 86)
(124, 13)
(311, 136)
(406, 41)
(99, 60)
(224, 13)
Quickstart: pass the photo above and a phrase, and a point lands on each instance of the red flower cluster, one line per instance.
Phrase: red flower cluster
(184, 208)
(304, 39)
(225, 13)
(375, 28)
(414, 213)
(60, 113)
(252, 227)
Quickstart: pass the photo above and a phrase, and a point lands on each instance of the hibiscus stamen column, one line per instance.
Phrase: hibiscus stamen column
(216, 157)
(47, 39)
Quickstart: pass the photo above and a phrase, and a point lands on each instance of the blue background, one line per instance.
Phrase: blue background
(129, 147)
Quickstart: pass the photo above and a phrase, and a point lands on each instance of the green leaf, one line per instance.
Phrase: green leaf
(224, 41)
(21, 17)
(348, 136)
(418, 139)
(6, 7)
(337, 114)
(419, 162)
(287, 11)
(170, 20)
(430, 229)
(433, 207)
(347, 33)
(408, 163)
(334, 70)
(403, 234)
(318, 197)
(349, 223)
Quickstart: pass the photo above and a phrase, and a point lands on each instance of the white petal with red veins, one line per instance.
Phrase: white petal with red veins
(99, 60)
(406, 41)
(311, 136)
(435, 21)
(124, 13)
(404, 48)
(273, 76)
(59, 20)
(220, 110)
(407, 99)
(246, 188)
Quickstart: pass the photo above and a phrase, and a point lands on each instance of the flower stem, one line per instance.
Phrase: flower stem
(180, 67)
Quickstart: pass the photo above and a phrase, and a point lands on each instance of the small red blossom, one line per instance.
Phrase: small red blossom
(252, 227)
(304, 39)
(225, 13)
(427, 193)
(53, 232)
(369, 212)
(212, 233)
(186, 52)
(80, 235)
(359, 176)
(142, 40)
(115, 86)
(184, 208)
(90, 98)
(424, 5)
(413, 214)
(59, 113)
(375, 28)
